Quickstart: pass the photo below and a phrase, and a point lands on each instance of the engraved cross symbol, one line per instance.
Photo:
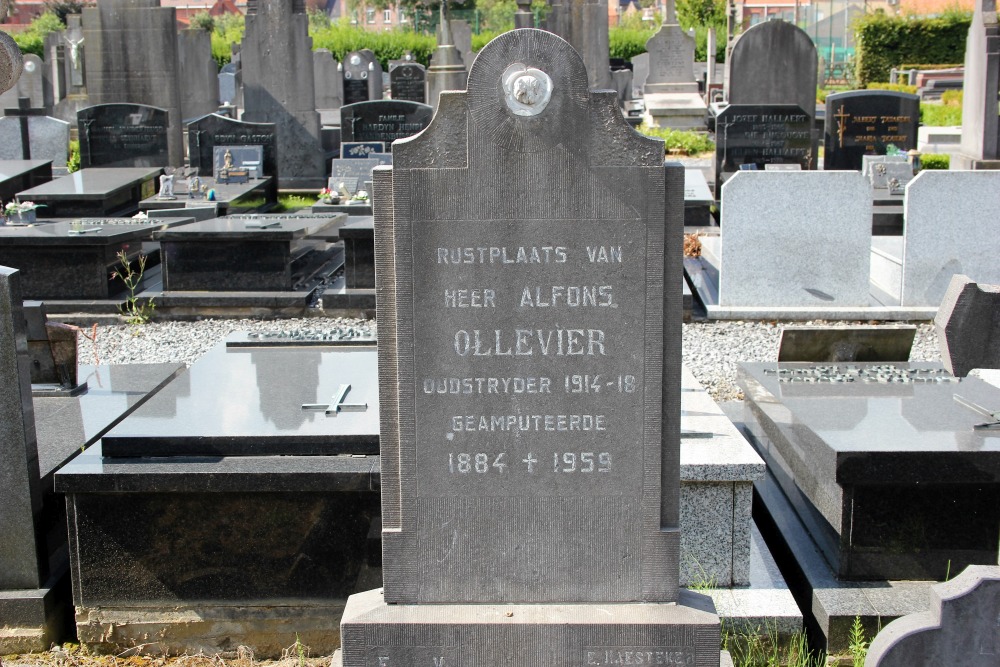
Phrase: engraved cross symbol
(531, 461)
(337, 405)
(841, 124)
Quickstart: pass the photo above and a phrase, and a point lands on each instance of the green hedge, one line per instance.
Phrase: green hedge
(884, 42)
(32, 38)
(935, 161)
(341, 39)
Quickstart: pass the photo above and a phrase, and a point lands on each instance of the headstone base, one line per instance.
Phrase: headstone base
(679, 110)
(486, 635)
(960, 162)
(32, 619)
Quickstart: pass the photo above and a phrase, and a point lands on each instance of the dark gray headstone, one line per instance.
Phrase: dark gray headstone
(30, 85)
(48, 137)
(22, 565)
(354, 172)
(584, 24)
(962, 626)
(383, 120)
(758, 135)
(326, 74)
(549, 203)
(362, 77)
(773, 63)
(408, 81)
(123, 135)
(214, 130)
(866, 122)
(231, 84)
(279, 87)
(198, 73)
(448, 70)
(980, 121)
(671, 58)
(131, 57)
(968, 326)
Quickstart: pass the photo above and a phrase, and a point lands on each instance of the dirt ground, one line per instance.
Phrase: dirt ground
(73, 656)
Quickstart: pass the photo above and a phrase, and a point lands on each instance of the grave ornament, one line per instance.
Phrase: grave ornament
(166, 187)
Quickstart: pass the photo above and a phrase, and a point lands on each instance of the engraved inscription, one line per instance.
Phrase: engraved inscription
(639, 656)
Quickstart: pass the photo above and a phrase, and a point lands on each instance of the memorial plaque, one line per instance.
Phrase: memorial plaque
(529, 306)
(383, 120)
(360, 149)
(250, 158)
(123, 135)
(354, 172)
(214, 130)
(408, 81)
(760, 135)
(362, 77)
(866, 122)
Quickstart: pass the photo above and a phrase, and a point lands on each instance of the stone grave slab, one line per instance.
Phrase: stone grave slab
(961, 627)
(95, 192)
(207, 132)
(846, 343)
(229, 197)
(408, 81)
(19, 175)
(761, 135)
(74, 259)
(123, 135)
(48, 139)
(359, 253)
(883, 463)
(383, 120)
(698, 199)
(246, 253)
(794, 239)
(866, 122)
(968, 326)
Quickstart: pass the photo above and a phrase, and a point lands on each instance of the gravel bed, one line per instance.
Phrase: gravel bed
(712, 350)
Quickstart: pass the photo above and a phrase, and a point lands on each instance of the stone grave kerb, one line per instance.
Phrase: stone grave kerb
(526, 147)
(22, 560)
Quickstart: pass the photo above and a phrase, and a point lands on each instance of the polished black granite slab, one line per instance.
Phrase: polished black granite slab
(359, 253)
(75, 259)
(254, 401)
(244, 253)
(97, 191)
(19, 175)
(228, 196)
(883, 465)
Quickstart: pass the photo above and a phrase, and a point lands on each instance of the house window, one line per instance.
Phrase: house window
(370, 15)
(387, 16)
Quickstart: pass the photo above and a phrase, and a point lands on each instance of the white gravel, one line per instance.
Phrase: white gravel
(712, 350)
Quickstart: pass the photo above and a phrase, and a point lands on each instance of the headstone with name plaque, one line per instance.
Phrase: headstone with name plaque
(123, 135)
(408, 81)
(751, 134)
(867, 122)
(383, 120)
(208, 132)
(529, 382)
(362, 76)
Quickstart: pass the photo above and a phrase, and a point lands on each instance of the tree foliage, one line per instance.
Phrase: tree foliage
(32, 38)
(884, 42)
(63, 7)
(695, 13)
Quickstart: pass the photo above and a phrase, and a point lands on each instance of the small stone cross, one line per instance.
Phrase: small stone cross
(23, 112)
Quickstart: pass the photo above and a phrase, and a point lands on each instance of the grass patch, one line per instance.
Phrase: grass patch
(940, 115)
(679, 142)
(764, 648)
(293, 203)
(935, 161)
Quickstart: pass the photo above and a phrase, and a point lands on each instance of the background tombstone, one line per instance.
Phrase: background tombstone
(865, 122)
(131, 57)
(198, 72)
(231, 85)
(774, 63)
(584, 24)
(329, 85)
(362, 77)
(408, 81)
(531, 526)
(759, 135)
(30, 85)
(48, 138)
(277, 31)
(461, 34)
(383, 120)
(670, 91)
(214, 130)
(981, 85)
(968, 326)
(962, 626)
(448, 70)
(123, 135)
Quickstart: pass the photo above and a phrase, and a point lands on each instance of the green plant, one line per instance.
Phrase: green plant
(884, 42)
(935, 161)
(227, 30)
(897, 87)
(293, 203)
(858, 646)
(32, 38)
(73, 159)
(763, 647)
(135, 312)
(202, 21)
(940, 115)
(679, 142)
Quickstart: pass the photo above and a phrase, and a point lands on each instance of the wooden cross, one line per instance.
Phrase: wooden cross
(23, 112)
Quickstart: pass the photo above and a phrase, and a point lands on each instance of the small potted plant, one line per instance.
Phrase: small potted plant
(328, 196)
(360, 198)
(21, 213)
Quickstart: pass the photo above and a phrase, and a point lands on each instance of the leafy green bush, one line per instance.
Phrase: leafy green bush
(32, 38)
(227, 29)
(897, 87)
(884, 42)
(73, 159)
(935, 161)
(625, 42)
(940, 115)
(341, 38)
(679, 141)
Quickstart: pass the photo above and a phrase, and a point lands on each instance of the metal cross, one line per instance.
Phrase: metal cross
(841, 124)
(995, 416)
(337, 404)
